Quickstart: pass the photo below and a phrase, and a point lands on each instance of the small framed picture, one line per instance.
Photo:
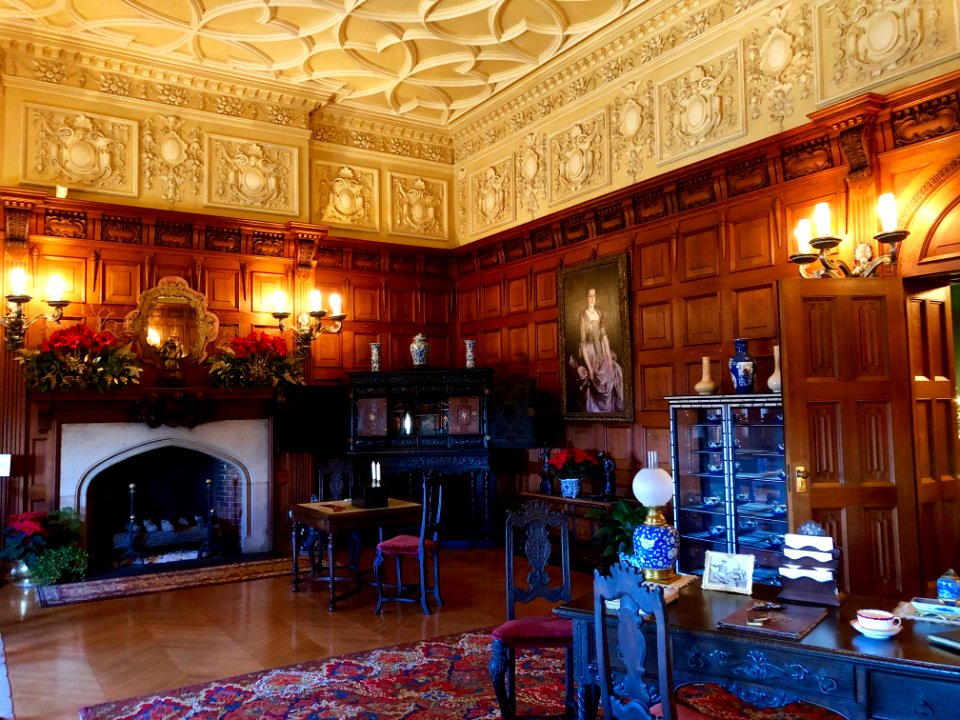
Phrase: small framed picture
(729, 572)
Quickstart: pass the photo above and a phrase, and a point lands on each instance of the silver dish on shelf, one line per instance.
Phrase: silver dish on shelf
(711, 501)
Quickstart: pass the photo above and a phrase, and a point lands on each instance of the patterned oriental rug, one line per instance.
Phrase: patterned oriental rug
(443, 678)
(52, 595)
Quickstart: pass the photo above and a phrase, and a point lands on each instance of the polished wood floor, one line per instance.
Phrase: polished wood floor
(60, 659)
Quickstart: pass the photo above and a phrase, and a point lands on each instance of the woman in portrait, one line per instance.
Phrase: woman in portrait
(600, 376)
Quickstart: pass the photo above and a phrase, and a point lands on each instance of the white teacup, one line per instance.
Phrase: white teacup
(879, 620)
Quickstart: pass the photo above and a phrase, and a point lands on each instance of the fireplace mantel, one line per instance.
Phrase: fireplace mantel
(155, 406)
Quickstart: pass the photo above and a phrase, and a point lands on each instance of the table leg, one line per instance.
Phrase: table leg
(588, 695)
(330, 573)
(296, 557)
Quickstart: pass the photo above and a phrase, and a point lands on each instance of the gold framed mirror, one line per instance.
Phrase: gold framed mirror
(172, 322)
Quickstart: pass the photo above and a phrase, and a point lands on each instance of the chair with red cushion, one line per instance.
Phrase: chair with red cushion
(624, 693)
(424, 547)
(531, 529)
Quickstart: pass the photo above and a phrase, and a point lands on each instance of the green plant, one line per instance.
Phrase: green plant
(62, 564)
(256, 360)
(616, 526)
(28, 535)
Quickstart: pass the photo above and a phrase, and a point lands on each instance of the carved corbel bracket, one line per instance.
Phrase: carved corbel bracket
(306, 239)
(16, 224)
(853, 124)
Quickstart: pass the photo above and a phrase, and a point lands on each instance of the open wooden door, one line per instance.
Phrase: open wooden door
(933, 382)
(848, 424)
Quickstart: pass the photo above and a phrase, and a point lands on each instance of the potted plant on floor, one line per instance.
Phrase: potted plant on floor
(43, 547)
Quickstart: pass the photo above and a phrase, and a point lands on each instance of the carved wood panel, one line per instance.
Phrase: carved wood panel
(222, 289)
(875, 429)
(700, 253)
(654, 268)
(121, 282)
(361, 350)
(436, 305)
(656, 382)
(547, 340)
(401, 303)
(365, 301)
(517, 293)
(72, 270)
(823, 423)
(518, 343)
(750, 243)
(263, 285)
(490, 294)
(468, 302)
(755, 311)
(700, 319)
(545, 289)
(327, 351)
(656, 325)
(492, 347)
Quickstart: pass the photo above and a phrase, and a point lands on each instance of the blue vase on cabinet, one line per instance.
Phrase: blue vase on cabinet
(743, 368)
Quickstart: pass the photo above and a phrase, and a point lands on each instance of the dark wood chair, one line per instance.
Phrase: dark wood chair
(624, 692)
(531, 529)
(425, 547)
(335, 481)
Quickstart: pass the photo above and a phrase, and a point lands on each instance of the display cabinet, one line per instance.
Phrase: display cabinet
(727, 454)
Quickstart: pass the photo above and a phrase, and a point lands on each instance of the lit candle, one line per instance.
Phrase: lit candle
(316, 301)
(61, 191)
(18, 281)
(821, 219)
(336, 304)
(887, 210)
(153, 337)
(803, 233)
(55, 286)
(378, 473)
(279, 299)
(373, 472)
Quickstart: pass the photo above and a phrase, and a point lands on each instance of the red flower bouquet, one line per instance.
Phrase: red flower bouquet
(255, 360)
(47, 543)
(78, 358)
(574, 462)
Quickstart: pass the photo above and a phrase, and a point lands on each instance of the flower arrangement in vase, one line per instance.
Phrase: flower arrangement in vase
(571, 466)
(78, 358)
(255, 360)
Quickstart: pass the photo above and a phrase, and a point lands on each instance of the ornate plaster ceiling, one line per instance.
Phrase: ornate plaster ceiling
(425, 61)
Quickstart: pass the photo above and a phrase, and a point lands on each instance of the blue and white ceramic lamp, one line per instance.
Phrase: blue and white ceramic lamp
(656, 543)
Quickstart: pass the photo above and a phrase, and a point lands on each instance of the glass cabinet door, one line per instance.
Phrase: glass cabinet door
(702, 499)
(759, 487)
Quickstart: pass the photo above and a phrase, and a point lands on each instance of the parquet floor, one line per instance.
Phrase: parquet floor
(60, 659)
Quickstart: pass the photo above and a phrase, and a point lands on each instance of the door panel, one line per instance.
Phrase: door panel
(933, 383)
(846, 403)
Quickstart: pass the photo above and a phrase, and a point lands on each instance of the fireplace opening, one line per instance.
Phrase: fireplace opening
(177, 514)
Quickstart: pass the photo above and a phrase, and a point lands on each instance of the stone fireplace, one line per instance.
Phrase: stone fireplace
(169, 467)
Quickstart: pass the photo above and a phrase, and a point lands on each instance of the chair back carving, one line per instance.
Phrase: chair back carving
(335, 481)
(625, 694)
(432, 500)
(533, 525)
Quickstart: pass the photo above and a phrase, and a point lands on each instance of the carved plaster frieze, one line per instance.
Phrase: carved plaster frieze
(418, 206)
(461, 202)
(65, 147)
(251, 175)
(172, 158)
(579, 158)
(780, 63)
(362, 134)
(700, 107)
(865, 42)
(347, 195)
(633, 122)
(493, 195)
(532, 172)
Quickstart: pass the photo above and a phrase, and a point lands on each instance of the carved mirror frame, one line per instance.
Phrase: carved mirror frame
(177, 291)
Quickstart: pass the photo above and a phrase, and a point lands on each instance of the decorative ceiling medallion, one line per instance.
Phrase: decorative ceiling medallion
(700, 107)
(492, 195)
(579, 158)
(866, 42)
(172, 158)
(251, 175)
(347, 195)
(418, 206)
(65, 147)
(780, 63)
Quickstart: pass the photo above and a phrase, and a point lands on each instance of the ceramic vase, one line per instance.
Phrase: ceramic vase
(656, 547)
(948, 588)
(374, 357)
(773, 382)
(420, 351)
(471, 346)
(743, 368)
(706, 386)
(570, 487)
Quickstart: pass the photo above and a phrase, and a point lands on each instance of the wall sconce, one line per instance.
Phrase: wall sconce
(824, 241)
(310, 325)
(15, 322)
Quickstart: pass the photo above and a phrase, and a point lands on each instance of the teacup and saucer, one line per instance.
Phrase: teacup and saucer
(876, 624)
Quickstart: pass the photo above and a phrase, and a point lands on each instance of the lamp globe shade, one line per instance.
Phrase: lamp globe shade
(653, 487)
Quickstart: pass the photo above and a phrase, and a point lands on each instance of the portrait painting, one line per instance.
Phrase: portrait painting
(729, 572)
(596, 375)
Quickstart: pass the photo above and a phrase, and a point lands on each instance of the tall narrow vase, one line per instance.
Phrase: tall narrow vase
(706, 386)
(470, 346)
(420, 351)
(374, 357)
(773, 382)
(743, 368)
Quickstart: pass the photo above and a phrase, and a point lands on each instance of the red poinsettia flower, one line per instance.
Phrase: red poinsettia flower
(29, 524)
(574, 462)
